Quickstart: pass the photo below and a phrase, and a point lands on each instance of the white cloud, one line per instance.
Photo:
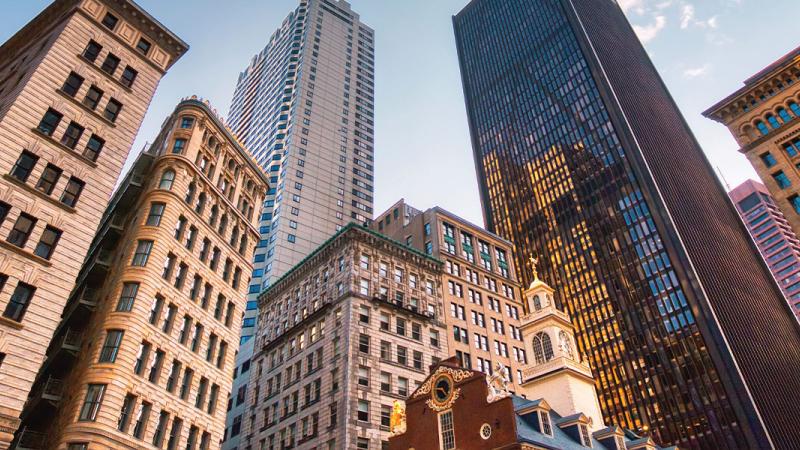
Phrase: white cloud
(632, 5)
(648, 32)
(687, 15)
(695, 72)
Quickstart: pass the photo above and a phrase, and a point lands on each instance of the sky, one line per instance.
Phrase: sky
(703, 49)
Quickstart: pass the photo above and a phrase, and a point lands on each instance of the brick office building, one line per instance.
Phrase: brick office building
(143, 354)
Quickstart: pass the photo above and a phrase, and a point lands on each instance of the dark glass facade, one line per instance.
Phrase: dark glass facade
(584, 160)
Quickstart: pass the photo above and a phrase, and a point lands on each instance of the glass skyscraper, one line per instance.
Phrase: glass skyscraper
(304, 107)
(584, 160)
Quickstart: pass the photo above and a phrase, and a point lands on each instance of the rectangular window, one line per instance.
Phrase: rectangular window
(142, 253)
(141, 359)
(174, 434)
(72, 135)
(781, 179)
(110, 65)
(92, 98)
(128, 76)
(161, 426)
(187, 122)
(143, 46)
(92, 51)
(49, 178)
(186, 384)
(363, 343)
(363, 411)
(126, 413)
(47, 243)
(110, 21)
(172, 377)
(113, 107)
(108, 354)
(93, 148)
(92, 402)
(178, 146)
(24, 166)
(21, 230)
(18, 304)
(141, 420)
(156, 212)
(72, 192)
(544, 418)
(72, 84)
(127, 297)
(446, 431)
(155, 367)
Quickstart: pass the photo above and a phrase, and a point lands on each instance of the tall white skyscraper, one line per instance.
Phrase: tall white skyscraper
(304, 106)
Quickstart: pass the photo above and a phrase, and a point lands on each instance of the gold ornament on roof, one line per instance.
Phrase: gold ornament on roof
(397, 421)
(534, 263)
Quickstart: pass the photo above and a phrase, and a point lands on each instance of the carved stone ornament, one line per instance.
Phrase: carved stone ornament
(457, 375)
(497, 384)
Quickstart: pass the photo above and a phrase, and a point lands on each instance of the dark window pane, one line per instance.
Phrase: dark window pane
(72, 192)
(113, 108)
(72, 135)
(22, 230)
(110, 64)
(93, 148)
(50, 122)
(48, 241)
(128, 76)
(92, 51)
(93, 96)
(110, 21)
(143, 46)
(49, 178)
(73, 84)
(19, 301)
(24, 165)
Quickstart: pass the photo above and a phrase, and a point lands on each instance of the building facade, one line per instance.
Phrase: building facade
(75, 83)
(762, 117)
(334, 351)
(584, 161)
(773, 236)
(305, 107)
(143, 354)
(482, 299)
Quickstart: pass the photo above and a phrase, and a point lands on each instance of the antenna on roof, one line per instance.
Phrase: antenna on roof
(724, 181)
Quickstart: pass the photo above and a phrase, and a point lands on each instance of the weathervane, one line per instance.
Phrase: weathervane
(534, 262)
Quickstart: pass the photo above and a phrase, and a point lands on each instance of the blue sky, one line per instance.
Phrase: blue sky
(703, 50)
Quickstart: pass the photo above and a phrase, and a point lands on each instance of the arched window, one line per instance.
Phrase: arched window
(166, 180)
(537, 303)
(190, 193)
(201, 203)
(564, 343)
(785, 117)
(795, 109)
(223, 223)
(773, 122)
(762, 128)
(212, 220)
(542, 348)
(234, 236)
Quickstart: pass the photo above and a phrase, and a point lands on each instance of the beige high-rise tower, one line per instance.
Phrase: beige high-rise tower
(75, 83)
(143, 354)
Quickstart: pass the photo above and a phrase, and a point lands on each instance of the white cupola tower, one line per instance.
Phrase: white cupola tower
(555, 370)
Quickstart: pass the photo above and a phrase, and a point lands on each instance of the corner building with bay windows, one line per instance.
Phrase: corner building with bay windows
(481, 295)
(75, 83)
(333, 352)
(144, 351)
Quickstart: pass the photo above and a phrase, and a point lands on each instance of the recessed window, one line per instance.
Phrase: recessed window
(110, 21)
(768, 159)
(544, 421)
(47, 243)
(18, 304)
(50, 122)
(24, 166)
(108, 354)
(110, 64)
(49, 178)
(72, 135)
(781, 179)
(92, 51)
(363, 411)
(93, 148)
(92, 98)
(128, 76)
(72, 192)
(166, 180)
(127, 297)
(142, 253)
(586, 439)
(156, 212)
(143, 46)
(187, 122)
(178, 146)
(112, 110)
(292, 238)
(73, 84)
(92, 402)
(22, 230)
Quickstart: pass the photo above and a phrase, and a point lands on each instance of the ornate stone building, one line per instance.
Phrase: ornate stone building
(457, 408)
(334, 349)
(143, 354)
(482, 298)
(75, 83)
(763, 117)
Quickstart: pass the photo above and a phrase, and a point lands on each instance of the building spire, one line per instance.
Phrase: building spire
(534, 263)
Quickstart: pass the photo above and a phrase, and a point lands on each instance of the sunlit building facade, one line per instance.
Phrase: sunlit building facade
(305, 107)
(772, 234)
(75, 84)
(584, 160)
